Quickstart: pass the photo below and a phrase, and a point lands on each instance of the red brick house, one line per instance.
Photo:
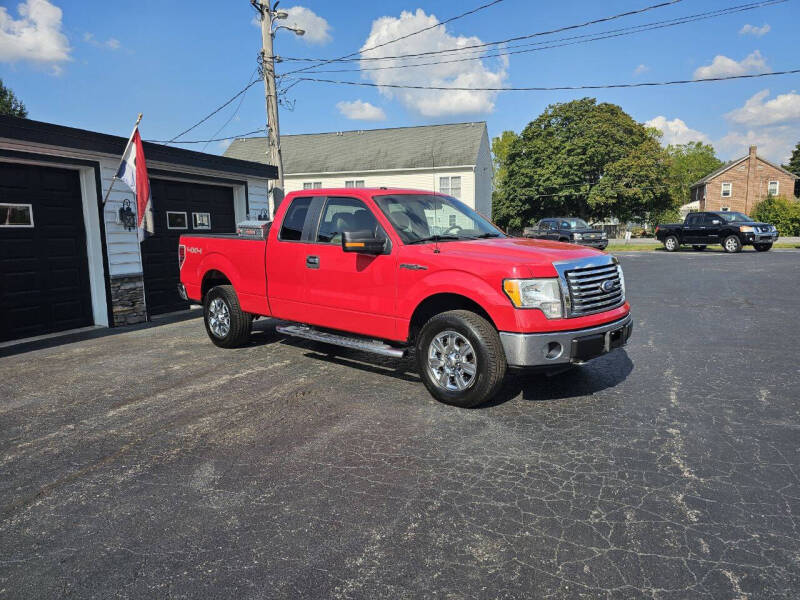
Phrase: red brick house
(743, 183)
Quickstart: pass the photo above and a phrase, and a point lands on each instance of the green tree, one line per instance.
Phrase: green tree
(500, 147)
(794, 161)
(556, 165)
(781, 212)
(10, 104)
(688, 163)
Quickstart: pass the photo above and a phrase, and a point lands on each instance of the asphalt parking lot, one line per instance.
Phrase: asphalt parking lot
(152, 464)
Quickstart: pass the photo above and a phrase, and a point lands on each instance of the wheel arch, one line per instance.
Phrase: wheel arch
(442, 302)
(211, 279)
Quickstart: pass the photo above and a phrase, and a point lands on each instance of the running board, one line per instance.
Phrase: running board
(309, 333)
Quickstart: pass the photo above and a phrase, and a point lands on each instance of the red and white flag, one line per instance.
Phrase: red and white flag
(133, 171)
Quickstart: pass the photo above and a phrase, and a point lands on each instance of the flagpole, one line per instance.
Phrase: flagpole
(124, 152)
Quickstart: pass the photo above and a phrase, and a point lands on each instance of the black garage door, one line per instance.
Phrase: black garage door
(44, 272)
(178, 208)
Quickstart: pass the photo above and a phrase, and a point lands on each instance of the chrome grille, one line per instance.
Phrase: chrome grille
(594, 288)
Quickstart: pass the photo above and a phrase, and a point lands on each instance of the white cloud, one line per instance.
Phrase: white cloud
(722, 66)
(676, 131)
(317, 29)
(753, 30)
(430, 103)
(641, 69)
(361, 111)
(111, 43)
(35, 36)
(784, 108)
(774, 143)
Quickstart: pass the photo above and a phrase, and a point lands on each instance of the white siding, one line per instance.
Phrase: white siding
(122, 246)
(417, 179)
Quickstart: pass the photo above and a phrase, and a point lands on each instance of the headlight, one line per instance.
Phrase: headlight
(577, 236)
(746, 229)
(544, 294)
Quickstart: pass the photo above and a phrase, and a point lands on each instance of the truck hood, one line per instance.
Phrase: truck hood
(516, 250)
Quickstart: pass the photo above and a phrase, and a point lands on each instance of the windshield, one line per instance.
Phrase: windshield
(574, 224)
(425, 217)
(735, 217)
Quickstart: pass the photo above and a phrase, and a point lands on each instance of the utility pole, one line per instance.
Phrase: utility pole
(269, 14)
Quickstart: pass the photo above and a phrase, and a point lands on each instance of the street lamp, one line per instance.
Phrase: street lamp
(296, 30)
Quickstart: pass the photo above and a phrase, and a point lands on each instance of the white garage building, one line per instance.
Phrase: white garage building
(67, 261)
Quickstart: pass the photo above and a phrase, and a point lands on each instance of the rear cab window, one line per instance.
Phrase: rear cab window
(294, 220)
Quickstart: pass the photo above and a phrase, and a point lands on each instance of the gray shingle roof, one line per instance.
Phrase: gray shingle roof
(371, 149)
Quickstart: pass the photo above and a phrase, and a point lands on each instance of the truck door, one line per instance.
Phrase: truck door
(286, 258)
(712, 224)
(350, 291)
(693, 229)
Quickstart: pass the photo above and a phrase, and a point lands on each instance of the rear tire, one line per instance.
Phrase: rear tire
(762, 247)
(227, 324)
(699, 248)
(671, 243)
(732, 244)
(460, 358)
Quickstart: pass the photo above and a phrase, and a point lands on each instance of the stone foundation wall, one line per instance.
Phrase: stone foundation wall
(127, 299)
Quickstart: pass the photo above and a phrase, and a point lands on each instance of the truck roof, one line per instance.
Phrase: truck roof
(365, 190)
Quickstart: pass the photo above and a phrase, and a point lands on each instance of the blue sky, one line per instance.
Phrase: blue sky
(95, 65)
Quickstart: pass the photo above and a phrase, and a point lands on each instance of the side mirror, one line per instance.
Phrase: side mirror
(363, 242)
(716, 222)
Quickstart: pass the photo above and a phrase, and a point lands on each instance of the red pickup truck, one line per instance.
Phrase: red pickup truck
(393, 270)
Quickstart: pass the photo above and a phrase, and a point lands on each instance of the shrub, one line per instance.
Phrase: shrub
(781, 212)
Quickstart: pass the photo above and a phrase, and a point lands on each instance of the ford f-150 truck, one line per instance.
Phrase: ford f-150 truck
(731, 229)
(390, 271)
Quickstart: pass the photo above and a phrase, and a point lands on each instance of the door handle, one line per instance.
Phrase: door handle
(312, 262)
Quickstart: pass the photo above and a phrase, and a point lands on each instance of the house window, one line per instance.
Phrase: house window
(772, 188)
(312, 185)
(16, 215)
(727, 190)
(201, 220)
(450, 186)
(452, 220)
(354, 183)
(176, 220)
(725, 208)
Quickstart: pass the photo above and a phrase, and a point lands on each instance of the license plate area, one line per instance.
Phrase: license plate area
(592, 346)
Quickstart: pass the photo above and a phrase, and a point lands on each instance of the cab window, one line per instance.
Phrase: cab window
(346, 214)
(294, 220)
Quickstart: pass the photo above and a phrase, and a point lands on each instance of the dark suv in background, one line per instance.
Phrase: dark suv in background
(568, 229)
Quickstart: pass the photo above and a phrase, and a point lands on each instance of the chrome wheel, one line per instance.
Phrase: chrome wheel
(452, 361)
(731, 245)
(670, 243)
(219, 318)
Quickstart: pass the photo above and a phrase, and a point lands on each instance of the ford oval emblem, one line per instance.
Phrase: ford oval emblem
(607, 286)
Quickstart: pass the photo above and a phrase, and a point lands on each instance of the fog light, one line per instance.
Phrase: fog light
(553, 350)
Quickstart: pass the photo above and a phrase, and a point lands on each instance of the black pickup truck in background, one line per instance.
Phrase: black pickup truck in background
(731, 229)
(568, 229)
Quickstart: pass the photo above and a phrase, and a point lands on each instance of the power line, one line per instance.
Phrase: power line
(408, 35)
(233, 137)
(215, 111)
(236, 112)
(549, 89)
(511, 39)
(571, 40)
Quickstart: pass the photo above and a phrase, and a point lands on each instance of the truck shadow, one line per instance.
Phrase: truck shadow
(602, 373)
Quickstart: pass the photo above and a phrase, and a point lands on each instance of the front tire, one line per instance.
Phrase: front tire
(732, 244)
(699, 248)
(227, 324)
(460, 358)
(762, 247)
(671, 243)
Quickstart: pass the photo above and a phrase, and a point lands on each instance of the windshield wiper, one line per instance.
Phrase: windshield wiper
(483, 236)
(435, 238)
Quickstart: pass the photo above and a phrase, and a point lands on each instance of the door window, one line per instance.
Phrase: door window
(16, 215)
(692, 220)
(345, 214)
(711, 220)
(293, 221)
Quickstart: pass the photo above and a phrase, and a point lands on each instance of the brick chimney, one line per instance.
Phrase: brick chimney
(751, 192)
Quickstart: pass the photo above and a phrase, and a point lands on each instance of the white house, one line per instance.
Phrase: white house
(454, 159)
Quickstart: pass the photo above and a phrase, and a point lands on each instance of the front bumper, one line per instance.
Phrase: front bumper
(564, 347)
(599, 243)
(761, 238)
